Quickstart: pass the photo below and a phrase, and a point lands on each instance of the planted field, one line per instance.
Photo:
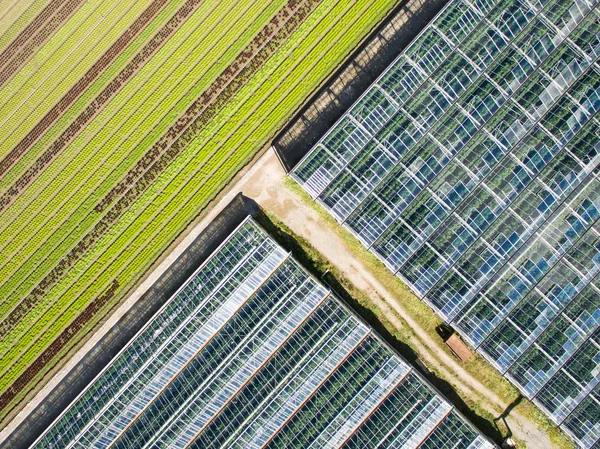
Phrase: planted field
(120, 129)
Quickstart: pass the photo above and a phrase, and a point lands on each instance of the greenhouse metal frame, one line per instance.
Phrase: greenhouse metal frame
(470, 168)
(253, 352)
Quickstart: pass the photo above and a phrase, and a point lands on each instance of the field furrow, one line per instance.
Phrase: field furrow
(273, 34)
(126, 64)
(106, 187)
(15, 15)
(59, 67)
(54, 349)
(99, 169)
(100, 100)
(34, 35)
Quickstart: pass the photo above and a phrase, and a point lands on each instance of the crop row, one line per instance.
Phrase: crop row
(12, 25)
(313, 69)
(79, 214)
(108, 92)
(208, 104)
(55, 347)
(82, 101)
(30, 30)
(33, 36)
(252, 56)
(59, 64)
(108, 170)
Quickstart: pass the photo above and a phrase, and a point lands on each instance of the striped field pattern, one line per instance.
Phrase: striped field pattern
(119, 123)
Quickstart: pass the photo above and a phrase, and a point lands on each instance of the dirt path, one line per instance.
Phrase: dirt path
(265, 184)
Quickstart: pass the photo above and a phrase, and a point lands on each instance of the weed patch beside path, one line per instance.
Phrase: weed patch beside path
(492, 417)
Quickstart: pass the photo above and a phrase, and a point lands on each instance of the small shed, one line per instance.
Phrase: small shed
(459, 348)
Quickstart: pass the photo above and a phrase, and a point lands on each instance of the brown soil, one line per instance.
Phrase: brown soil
(63, 339)
(265, 184)
(98, 103)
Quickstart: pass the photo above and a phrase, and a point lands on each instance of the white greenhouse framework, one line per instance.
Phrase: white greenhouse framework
(253, 352)
(470, 168)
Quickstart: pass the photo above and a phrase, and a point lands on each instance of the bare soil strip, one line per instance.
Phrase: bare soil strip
(99, 102)
(55, 347)
(250, 59)
(29, 31)
(45, 24)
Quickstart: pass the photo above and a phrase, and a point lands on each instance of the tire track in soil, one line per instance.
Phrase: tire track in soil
(44, 25)
(267, 41)
(98, 103)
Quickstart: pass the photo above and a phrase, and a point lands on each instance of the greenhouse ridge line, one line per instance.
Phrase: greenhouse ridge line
(383, 379)
(528, 110)
(157, 313)
(208, 341)
(256, 370)
(138, 238)
(271, 398)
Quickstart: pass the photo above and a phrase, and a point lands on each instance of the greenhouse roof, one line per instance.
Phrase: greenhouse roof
(470, 168)
(253, 352)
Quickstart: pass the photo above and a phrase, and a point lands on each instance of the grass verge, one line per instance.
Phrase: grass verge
(470, 403)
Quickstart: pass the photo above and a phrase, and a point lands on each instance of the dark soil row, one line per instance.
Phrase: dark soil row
(46, 23)
(98, 103)
(57, 345)
(210, 102)
(276, 32)
(111, 343)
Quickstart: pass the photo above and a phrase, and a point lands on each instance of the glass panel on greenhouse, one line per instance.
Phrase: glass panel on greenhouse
(253, 352)
(582, 423)
(489, 211)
